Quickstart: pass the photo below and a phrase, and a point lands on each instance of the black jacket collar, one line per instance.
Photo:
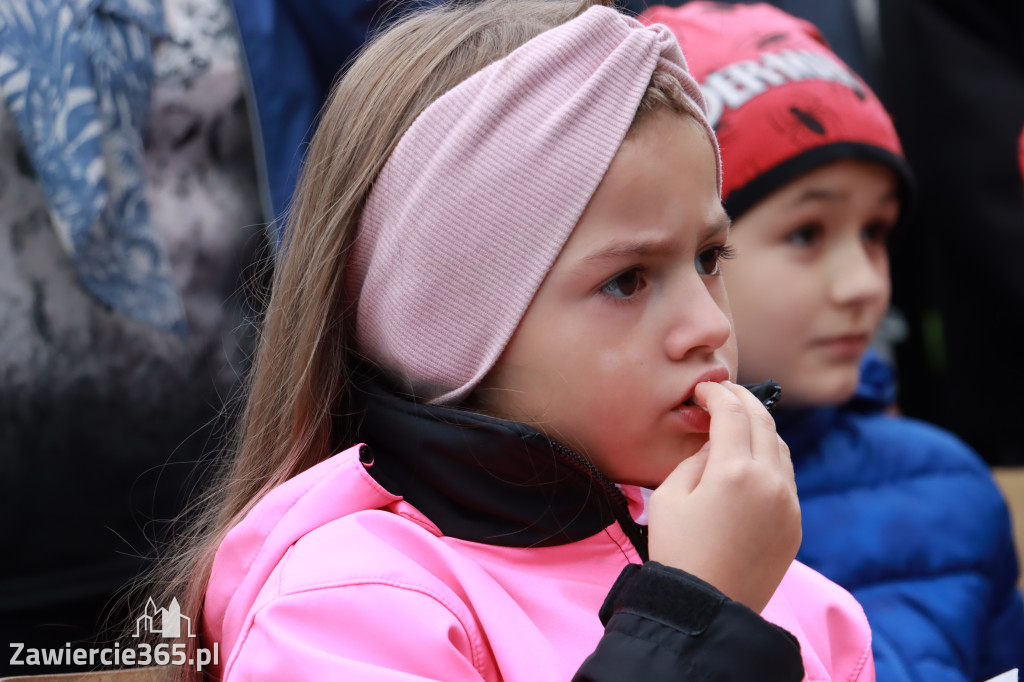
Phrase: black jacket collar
(488, 480)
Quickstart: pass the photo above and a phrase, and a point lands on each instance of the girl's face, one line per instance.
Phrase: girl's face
(810, 281)
(632, 315)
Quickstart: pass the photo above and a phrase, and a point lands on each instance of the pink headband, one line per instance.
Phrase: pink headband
(478, 197)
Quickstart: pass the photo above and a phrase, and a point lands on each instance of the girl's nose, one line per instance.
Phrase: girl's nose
(700, 322)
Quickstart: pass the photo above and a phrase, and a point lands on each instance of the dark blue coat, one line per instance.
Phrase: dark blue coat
(909, 519)
(293, 51)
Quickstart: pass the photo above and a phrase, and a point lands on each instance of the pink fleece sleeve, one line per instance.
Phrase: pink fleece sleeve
(352, 633)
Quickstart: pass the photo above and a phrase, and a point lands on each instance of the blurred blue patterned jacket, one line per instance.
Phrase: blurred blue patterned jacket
(909, 519)
(77, 76)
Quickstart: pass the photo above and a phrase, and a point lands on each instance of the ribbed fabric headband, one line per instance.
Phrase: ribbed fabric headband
(483, 190)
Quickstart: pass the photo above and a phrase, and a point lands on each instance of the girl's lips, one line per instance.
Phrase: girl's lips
(715, 374)
(692, 418)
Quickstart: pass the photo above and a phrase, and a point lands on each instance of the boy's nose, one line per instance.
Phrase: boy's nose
(858, 276)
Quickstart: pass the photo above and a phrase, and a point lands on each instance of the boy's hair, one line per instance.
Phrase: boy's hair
(781, 102)
(300, 407)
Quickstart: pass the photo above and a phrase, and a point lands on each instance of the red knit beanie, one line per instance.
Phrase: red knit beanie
(781, 102)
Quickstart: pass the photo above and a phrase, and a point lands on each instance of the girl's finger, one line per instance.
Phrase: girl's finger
(787, 462)
(686, 476)
(730, 422)
(764, 441)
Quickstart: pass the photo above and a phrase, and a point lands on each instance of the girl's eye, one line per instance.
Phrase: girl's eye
(709, 261)
(877, 233)
(806, 236)
(624, 285)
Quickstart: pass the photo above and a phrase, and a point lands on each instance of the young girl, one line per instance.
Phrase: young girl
(900, 512)
(501, 282)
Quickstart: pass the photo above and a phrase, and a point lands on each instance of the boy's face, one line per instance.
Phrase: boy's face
(810, 281)
(632, 315)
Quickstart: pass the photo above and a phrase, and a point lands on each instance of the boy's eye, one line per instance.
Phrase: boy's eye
(807, 235)
(624, 285)
(877, 233)
(709, 261)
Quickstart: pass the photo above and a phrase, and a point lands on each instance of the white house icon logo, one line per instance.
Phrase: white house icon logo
(165, 622)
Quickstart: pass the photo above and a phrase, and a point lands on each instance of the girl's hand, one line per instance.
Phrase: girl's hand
(729, 514)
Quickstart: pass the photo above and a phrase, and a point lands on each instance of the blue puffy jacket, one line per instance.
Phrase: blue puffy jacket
(293, 50)
(909, 519)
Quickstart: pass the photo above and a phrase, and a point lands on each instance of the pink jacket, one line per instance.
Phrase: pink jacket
(311, 584)
(332, 577)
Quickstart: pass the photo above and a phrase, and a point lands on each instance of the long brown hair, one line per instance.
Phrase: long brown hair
(299, 408)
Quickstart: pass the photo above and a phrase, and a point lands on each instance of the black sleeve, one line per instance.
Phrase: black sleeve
(665, 624)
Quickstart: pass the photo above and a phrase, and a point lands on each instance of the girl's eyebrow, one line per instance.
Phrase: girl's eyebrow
(638, 248)
(651, 247)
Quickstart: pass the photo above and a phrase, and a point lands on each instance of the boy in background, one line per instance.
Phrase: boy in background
(901, 513)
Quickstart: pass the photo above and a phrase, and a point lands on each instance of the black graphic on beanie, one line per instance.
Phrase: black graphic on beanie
(808, 119)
